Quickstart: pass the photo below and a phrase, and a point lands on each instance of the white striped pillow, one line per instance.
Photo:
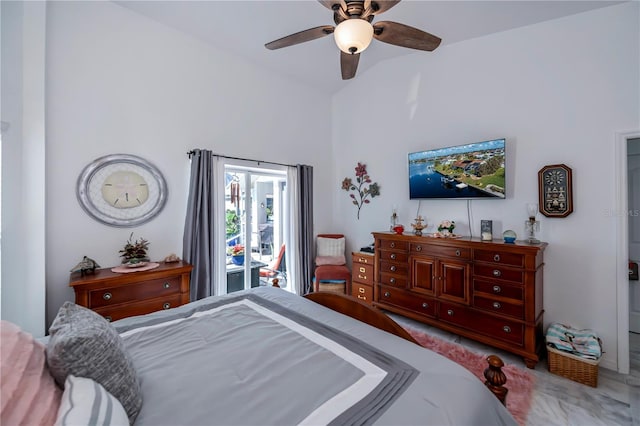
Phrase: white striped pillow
(86, 402)
(330, 246)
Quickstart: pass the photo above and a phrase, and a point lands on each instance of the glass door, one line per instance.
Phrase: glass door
(254, 227)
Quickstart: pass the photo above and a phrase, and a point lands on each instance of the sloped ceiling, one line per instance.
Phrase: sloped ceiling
(243, 27)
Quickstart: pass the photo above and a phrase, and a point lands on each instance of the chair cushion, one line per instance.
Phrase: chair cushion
(330, 246)
(332, 272)
(330, 260)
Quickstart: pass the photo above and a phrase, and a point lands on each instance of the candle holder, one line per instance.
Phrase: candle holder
(418, 226)
(532, 226)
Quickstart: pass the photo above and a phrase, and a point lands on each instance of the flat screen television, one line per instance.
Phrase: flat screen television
(475, 170)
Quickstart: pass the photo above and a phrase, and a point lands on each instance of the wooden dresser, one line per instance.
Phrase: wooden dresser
(362, 276)
(489, 291)
(116, 296)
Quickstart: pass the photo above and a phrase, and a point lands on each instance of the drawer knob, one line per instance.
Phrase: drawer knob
(362, 277)
(450, 312)
(362, 269)
(496, 289)
(166, 305)
(387, 294)
(419, 248)
(497, 305)
(393, 245)
(392, 280)
(393, 256)
(393, 268)
(506, 329)
(496, 257)
(496, 273)
(425, 305)
(457, 252)
(108, 318)
(361, 290)
(166, 285)
(107, 296)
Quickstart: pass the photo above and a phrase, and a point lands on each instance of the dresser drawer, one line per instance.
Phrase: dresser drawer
(498, 272)
(399, 281)
(499, 307)
(362, 292)
(362, 258)
(457, 252)
(489, 325)
(394, 256)
(132, 292)
(362, 273)
(394, 245)
(406, 300)
(394, 268)
(499, 257)
(114, 313)
(498, 289)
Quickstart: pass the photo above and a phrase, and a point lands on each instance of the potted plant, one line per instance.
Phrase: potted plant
(135, 252)
(237, 254)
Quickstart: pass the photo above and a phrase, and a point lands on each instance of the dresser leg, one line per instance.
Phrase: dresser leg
(530, 363)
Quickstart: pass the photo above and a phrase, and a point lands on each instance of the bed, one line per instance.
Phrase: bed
(267, 357)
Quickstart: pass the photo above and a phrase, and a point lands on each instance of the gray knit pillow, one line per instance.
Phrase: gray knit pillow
(84, 344)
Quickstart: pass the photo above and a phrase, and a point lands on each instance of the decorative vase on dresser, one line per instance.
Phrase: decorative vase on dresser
(120, 295)
(488, 291)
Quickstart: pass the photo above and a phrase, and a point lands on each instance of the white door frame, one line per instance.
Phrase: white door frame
(622, 247)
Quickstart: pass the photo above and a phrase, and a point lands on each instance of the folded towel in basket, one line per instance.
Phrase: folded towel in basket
(583, 343)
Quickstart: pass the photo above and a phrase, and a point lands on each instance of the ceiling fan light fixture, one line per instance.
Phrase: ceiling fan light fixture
(353, 35)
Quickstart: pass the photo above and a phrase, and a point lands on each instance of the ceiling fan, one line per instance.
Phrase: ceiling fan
(353, 32)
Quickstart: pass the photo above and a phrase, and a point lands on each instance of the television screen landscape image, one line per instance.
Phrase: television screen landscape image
(475, 170)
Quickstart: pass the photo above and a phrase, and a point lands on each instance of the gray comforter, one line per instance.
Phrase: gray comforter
(268, 357)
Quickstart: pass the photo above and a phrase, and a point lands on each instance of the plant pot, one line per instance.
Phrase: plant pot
(238, 260)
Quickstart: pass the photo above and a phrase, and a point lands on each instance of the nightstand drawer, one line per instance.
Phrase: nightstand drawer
(362, 292)
(362, 273)
(139, 291)
(367, 259)
(140, 308)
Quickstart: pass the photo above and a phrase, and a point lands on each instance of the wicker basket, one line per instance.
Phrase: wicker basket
(332, 287)
(573, 367)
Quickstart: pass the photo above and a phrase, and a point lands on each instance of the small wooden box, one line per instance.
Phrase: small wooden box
(573, 367)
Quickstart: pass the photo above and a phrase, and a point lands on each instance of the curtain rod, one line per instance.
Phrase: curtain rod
(190, 154)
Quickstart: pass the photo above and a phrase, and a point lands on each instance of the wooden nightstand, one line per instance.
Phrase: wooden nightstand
(362, 276)
(116, 296)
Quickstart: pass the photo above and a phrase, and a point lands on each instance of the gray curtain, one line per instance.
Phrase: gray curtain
(198, 240)
(305, 234)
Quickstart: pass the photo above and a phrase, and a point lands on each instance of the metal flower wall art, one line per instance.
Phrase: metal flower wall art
(362, 189)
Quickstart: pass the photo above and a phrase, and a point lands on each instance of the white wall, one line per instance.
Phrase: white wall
(558, 91)
(121, 83)
(23, 158)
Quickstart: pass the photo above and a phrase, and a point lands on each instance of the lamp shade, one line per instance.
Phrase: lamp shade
(353, 35)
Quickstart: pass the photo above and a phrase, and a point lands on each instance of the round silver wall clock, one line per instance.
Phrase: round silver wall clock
(121, 190)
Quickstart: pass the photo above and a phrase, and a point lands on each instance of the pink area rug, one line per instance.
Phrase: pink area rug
(519, 381)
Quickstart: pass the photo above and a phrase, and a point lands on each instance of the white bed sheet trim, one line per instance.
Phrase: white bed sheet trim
(330, 409)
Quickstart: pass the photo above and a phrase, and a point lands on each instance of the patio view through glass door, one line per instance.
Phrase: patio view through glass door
(254, 226)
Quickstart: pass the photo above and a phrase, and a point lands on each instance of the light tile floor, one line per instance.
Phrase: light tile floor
(560, 401)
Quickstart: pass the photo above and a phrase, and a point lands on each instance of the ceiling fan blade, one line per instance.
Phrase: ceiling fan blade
(330, 4)
(300, 37)
(405, 36)
(349, 64)
(380, 6)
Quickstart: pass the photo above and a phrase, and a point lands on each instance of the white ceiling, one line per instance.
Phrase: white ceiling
(243, 27)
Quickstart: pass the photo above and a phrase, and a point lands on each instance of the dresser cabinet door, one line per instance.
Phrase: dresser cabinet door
(453, 281)
(423, 275)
